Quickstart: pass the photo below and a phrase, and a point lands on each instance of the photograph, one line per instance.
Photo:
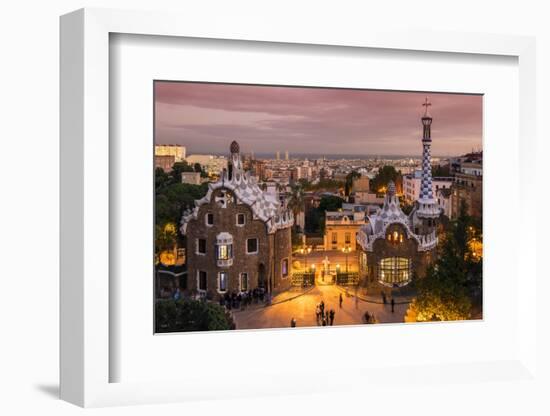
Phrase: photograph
(303, 207)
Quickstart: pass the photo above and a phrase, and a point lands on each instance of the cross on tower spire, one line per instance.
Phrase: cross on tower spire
(426, 104)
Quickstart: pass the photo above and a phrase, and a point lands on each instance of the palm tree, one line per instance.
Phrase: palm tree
(296, 200)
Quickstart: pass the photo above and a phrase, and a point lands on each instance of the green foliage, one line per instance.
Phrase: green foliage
(178, 168)
(296, 199)
(384, 175)
(447, 290)
(315, 217)
(322, 185)
(441, 170)
(165, 238)
(313, 221)
(173, 197)
(330, 203)
(350, 177)
(190, 315)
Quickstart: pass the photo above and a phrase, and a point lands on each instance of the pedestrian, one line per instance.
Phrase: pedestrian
(367, 317)
(341, 299)
(293, 323)
(332, 313)
(322, 305)
(318, 313)
(392, 305)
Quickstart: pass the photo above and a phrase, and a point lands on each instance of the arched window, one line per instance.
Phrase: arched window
(394, 271)
(224, 249)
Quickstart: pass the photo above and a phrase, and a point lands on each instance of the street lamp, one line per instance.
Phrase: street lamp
(346, 251)
(304, 251)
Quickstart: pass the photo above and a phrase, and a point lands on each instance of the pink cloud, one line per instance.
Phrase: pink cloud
(206, 117)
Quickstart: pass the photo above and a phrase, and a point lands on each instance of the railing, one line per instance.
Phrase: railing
(225, 262)
(303, 279)
(347, 279)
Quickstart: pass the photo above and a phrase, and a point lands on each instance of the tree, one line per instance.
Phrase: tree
(315, 217)
(383, 177)
(350, 177)
(165, 238)
(178, 168)
(330, 203)
(190, 315)
(162, 179)
(296, 199)
(323, 185)
(454, 281)
(172, 198)
(441, 170)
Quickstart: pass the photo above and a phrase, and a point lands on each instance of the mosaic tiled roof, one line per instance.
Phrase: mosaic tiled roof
(265, 206)
(391, 213)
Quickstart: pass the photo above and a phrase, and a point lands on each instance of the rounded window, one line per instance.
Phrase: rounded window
(394, 271)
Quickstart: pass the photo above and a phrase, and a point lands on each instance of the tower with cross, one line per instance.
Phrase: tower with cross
(427, 210)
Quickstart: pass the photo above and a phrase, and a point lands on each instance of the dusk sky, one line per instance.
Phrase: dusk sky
(207, 117)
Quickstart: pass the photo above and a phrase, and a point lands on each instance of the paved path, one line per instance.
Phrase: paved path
(302, 309)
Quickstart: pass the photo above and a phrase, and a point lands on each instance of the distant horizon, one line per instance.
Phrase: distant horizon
(209, 116)
(272, 155)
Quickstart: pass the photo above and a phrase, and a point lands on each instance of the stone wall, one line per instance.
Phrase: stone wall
(282, 250)
(382, 248)
(225, 220)
(267, 262)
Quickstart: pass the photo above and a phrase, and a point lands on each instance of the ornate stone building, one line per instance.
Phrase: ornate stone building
(395, 247)
(237, 236)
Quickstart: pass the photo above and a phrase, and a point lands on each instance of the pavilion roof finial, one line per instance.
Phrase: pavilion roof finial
(426, 104)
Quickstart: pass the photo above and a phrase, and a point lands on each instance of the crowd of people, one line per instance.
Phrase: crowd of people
(242, 300)
(325, 317)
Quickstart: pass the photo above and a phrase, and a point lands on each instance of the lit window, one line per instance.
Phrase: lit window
(334, 238)
(222, 281)
(240, 219)
(244, 282)
(225, 251)
(201, 280)
(251, 245)
(209, 218)
(394, 270)
(201, 246)
(348, 238)
(284, 268)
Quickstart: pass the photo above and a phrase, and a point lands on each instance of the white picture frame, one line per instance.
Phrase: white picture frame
(86, 218)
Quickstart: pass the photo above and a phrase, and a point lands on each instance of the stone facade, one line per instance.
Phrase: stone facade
(384, 248)
(237, 237)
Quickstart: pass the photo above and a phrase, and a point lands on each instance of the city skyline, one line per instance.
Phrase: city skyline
(204, 117)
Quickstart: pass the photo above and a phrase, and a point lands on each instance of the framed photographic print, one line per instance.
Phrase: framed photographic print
(272, 200)
(356, 220)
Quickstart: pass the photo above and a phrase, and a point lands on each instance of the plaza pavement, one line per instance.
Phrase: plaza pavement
(302, 309)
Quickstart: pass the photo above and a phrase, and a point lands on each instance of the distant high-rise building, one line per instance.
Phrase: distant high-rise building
(165, 162)
(286, 154)
(278, 157)
(175, 150)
